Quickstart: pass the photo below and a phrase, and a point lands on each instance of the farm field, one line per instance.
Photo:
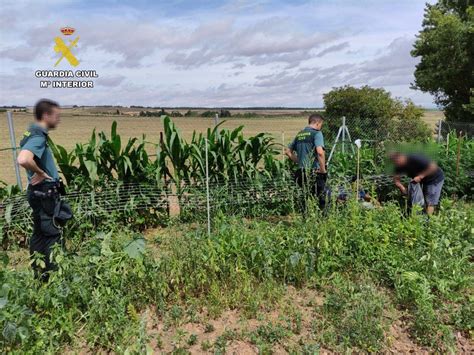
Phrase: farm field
(142, 273)
(258, 285)
(237, 177)
(77, 125)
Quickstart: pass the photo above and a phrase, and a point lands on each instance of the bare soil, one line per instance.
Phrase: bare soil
(165, 339)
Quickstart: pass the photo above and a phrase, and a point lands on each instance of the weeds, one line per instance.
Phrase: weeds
(354, 315)
(366, 261)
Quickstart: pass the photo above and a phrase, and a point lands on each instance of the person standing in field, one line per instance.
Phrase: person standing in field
(43, 184)
(307, 150)
(422, 171)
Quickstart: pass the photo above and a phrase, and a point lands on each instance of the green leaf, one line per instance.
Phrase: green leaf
(4, 259)
(23, 332)
(295, 258)
(91, 169)
(9, 331)
(136, 248)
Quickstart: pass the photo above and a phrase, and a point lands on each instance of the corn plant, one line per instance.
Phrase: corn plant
(231, 156)
(103, 158)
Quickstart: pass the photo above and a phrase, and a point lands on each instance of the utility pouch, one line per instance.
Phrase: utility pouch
(48, 204)
(62, 213)
(48, 228)
(48, 194)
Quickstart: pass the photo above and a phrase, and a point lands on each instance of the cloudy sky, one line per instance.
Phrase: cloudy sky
(211, 53)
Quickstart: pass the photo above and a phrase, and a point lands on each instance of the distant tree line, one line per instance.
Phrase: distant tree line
(189, 113)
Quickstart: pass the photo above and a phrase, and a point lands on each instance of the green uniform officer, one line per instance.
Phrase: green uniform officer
(307, 150)
(43, 183)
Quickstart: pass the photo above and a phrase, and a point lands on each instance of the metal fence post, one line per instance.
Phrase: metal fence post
(13, 144)
(440, 123)
(343, 133)
(207, 192)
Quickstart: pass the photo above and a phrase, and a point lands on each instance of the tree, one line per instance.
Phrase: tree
(407, 123)
(470, 106)
(225, 114)
(372, 113)
(209, 114)
(446, 48)
(189, 113)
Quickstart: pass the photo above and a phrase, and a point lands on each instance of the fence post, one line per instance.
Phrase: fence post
(13, 144)
(283, 144)
(440, 123)
(216, 120)
(343, 133)
(458, 158)
(207, 192)
(358, 144)
(447, 144)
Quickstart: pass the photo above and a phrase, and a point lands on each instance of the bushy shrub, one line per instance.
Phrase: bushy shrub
(373, 114)
(209, 114)
(190, 113)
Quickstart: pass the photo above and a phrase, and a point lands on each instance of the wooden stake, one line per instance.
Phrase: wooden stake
(447, 144)
(458, 158)
(358, 174)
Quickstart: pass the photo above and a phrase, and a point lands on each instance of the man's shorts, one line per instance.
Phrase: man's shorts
(432, 193)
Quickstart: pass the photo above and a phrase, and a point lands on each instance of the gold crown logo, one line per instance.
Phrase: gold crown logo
(67, 31)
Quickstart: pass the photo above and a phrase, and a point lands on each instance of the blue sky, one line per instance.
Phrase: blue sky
(212, 53)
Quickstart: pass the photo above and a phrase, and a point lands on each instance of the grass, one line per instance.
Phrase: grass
(77, 125)
(337, 282)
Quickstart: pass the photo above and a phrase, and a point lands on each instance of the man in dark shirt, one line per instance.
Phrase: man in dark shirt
(307, 150)
(43, 181)
(422, 171)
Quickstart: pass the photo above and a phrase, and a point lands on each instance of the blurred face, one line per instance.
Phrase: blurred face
(399, 159)
(52, 119)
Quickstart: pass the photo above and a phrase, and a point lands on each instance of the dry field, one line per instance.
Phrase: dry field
(432, 117)
(78, 123)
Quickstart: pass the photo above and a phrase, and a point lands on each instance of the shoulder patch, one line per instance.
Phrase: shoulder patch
(27, 134)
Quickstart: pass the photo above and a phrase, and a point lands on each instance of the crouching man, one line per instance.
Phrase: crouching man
(422, 171)
(43, 184)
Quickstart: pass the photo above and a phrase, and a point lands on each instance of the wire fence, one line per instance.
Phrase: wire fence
(283, 130)
(339, 135)
(241, 197)
(444, 129)
(204, 199)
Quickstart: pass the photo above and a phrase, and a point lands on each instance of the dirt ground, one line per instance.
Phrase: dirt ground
(77, 125)
(234, 333)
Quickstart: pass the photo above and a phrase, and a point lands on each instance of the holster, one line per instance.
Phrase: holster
(54, 212)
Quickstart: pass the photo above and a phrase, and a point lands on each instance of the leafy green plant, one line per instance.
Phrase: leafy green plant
(355, 315)
(372, 114)
(103, 159)
(101, 289)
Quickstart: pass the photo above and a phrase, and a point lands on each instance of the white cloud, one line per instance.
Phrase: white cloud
(110, 80)
(240, 53)
(333, 48)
